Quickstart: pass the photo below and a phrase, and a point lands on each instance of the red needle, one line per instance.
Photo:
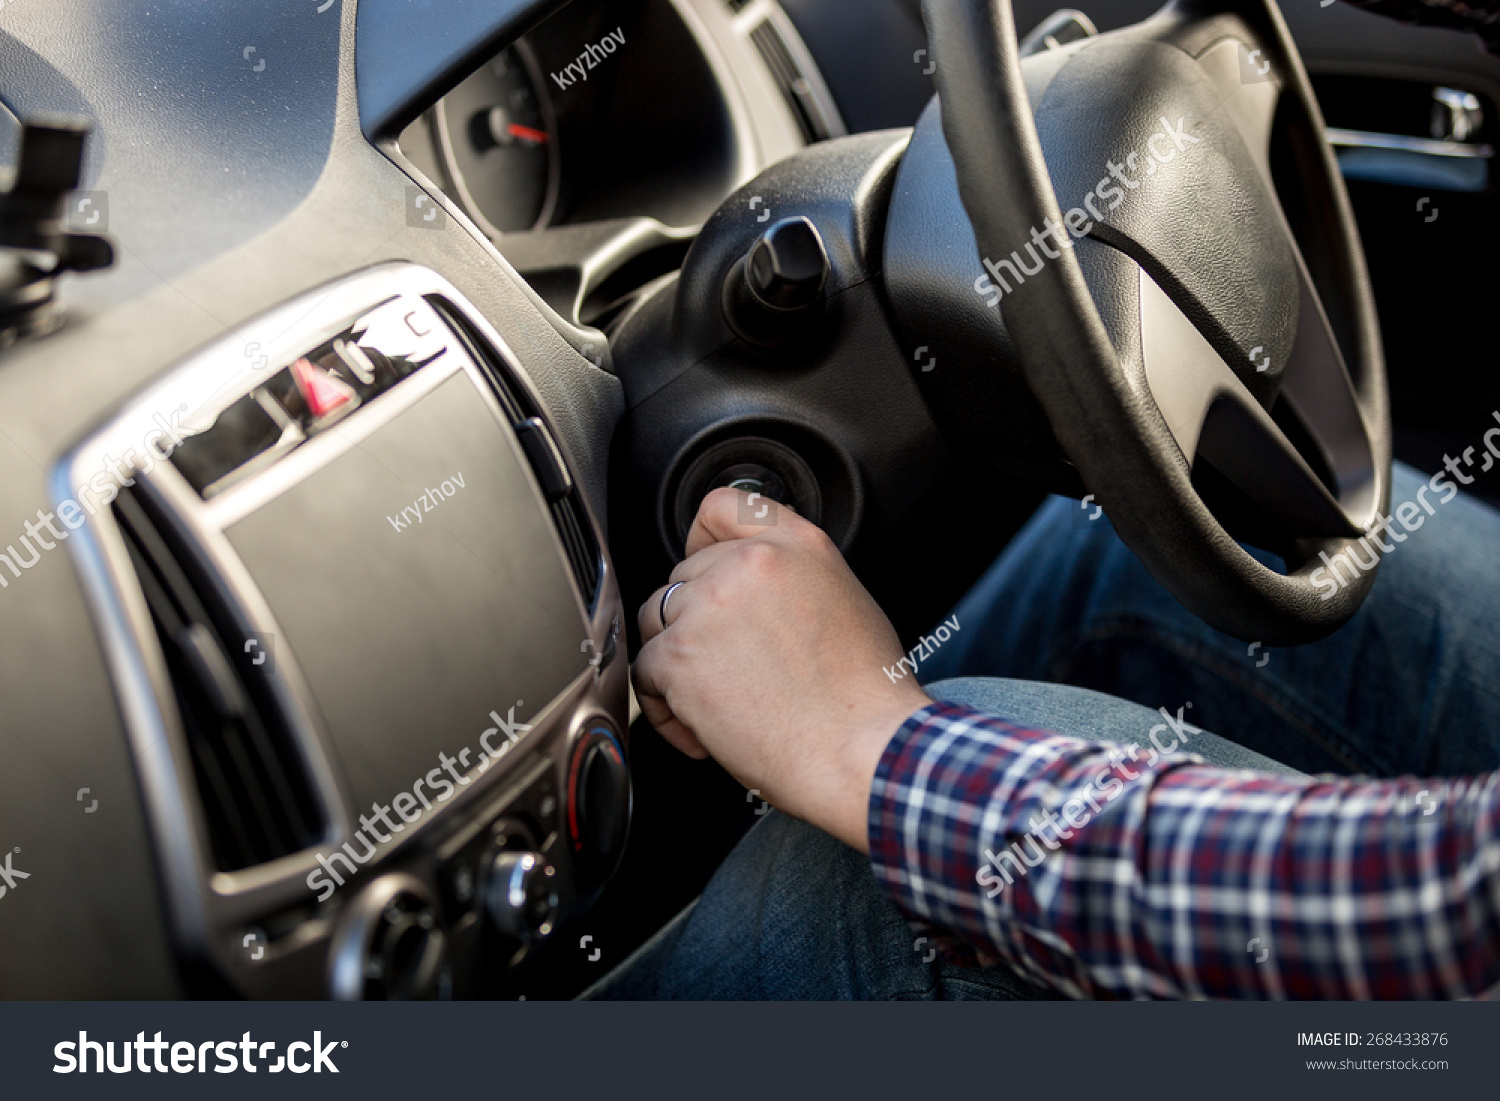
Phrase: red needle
(527, 133)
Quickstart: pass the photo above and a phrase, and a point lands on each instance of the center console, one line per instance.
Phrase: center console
(366, 643)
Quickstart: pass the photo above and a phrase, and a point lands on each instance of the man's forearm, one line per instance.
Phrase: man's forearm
(1104, 871)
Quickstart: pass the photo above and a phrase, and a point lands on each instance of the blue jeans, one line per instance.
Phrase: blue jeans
(1067, 631)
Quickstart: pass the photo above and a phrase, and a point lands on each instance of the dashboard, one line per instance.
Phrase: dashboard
(497, 137)
(327, 697)
(330, 583)
(341, 233)
(591, 149)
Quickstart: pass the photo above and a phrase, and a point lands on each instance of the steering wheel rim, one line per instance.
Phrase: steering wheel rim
(1133, 429)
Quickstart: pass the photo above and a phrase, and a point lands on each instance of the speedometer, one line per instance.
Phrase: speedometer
(498, 137)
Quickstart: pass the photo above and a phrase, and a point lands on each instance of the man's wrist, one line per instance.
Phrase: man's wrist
(858, 758)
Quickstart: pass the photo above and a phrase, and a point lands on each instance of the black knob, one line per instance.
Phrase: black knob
(34, 220)
(788, 266)
(599, 800)
(33, 212)
(407, 954)
(521, 895)
(390, 945)
(775, 294)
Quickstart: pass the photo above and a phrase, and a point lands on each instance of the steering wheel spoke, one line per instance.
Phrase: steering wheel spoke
(1244, 365)
(1317, 387)
(1213, 416)
(1250, 104)
(1315, 383)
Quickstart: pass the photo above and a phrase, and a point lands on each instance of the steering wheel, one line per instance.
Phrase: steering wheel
(1169, 320)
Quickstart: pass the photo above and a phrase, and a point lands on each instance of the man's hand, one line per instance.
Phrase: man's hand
(772, 661)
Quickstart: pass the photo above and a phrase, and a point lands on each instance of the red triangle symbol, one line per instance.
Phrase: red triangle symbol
(322, 392)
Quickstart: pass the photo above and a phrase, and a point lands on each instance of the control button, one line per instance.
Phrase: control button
(36, 217)
(545, 458)
(463, 885)
(323, 393)
(775, 295)
(418, 326)
(788, 267)
(390, 944)
(465, 865)
(598, 801)
(407, 330)
(521, 895)
(510, 835)
(407, 952)
(357, 360)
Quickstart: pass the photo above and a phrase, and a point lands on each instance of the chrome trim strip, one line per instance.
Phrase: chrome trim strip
(140, 681)
(1369, 139)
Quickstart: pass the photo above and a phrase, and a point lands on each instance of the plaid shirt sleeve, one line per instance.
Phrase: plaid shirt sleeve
(1105, 871)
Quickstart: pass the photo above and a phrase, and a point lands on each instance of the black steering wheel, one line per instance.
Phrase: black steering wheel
(1175, 315)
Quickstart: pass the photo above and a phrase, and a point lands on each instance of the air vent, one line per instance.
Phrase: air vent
(256, 796)
(568, 512)
(793, 83)
(578, 541)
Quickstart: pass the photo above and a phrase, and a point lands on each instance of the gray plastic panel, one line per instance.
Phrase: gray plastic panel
(465, 610)
(230, 191)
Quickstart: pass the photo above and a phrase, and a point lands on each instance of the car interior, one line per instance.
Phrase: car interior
(363, 367)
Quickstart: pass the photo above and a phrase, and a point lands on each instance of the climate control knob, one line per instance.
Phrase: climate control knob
(390, 945)
(521, 895)
(598, 802)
